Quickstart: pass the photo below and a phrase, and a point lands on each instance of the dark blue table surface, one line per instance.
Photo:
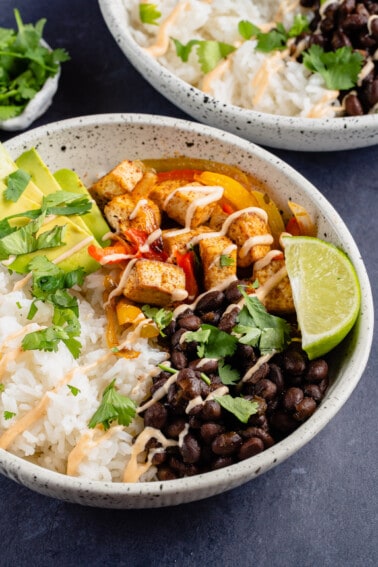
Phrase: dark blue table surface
(320, 507)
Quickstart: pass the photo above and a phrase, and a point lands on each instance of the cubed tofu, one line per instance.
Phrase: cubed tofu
(218, 255)
(155, 283)
(175, 241)
(251, 233)
(122, 179)
(217, 218)
(187, 204)
(125, 212)
(280, 298)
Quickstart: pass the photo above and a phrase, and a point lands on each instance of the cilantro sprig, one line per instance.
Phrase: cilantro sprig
(16, 183)
(161, 317)
(339, 68)
(212, 342)
(275, 39)
(209, 53)
(239, 407)
(25, 65)
(50, 284)
(149, 13)
(114, 406)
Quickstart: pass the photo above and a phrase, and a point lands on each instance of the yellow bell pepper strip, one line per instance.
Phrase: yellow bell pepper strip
(234, 192)
(275, 220)
(126, 312)
(186, 175)
(304, 221)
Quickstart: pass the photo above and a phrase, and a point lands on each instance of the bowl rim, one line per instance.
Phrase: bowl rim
(297, 124)
(243, 471)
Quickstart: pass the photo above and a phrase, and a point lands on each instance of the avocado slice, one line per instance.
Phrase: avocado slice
(31, 198)
(74, 235)
(70, 181)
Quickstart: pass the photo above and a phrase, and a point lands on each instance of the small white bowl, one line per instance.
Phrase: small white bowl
(93, 145)
(36, 107)
(284, 132)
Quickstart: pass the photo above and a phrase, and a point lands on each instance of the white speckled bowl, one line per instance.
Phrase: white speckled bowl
(301, 134)
(94, 144)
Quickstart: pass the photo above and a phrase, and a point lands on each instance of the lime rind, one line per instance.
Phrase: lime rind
(326, 292)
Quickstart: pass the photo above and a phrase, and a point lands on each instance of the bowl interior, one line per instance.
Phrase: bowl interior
(291, 133)
(92, 145)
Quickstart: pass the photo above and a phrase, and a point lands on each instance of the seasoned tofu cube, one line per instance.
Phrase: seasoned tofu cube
(122, 179)
(125, 212)
(175, 241)
(155, 283)
(280, 298)
(217, 218)
(218, 255)
(251, 233)
(190, 205)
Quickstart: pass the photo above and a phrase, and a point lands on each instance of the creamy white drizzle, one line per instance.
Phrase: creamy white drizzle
(266, 260)
(119, 289)
(138, 206)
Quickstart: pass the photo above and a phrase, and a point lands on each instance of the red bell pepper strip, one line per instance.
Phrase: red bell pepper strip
(100, 254)
(186, 262)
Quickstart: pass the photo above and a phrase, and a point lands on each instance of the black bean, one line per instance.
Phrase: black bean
(189, 322)
(317, 370)
(233, 293)
(190, 449)
(226, 443)
(159, 457)
(353, 22)
(178, 359)
(159, 382)
(313, 391)
(291, 398)
(207, 367)
(212, 301)
(261, 372)
(370, 92)
(251, 447)
(211, 317)
(275, 375)
(188, 382)
(211, 410)
(266, 389)
(221, 462)
(304, 409)
(340, 39)
(210, 430)
(155, 416)
(176, 337)
(166, 473)
(262, 434)
(294, 362)
(228, 320)
(283, 422)
(374, 27)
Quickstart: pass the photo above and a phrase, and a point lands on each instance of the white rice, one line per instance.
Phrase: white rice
(267, 82)
(27, 376)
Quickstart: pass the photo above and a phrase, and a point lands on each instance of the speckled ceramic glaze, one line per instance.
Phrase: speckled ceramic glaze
(92, 145)
(301, 134)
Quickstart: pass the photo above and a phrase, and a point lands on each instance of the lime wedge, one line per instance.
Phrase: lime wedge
(326, 292)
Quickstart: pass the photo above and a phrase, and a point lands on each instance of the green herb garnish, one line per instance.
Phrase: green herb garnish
(161, 317)
(16, 185)
(239, 407)
(25, 65)
(259, 328)
(9, 414)
(74, 391)
(149, 13)
(209, 53)
(212, 342)
(275, 39)
(113, 407)
(2, 388)
(339, 68)
(227, 374)
(226, 260)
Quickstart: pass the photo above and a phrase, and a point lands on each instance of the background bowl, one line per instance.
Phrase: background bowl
(94, 144)
(291, 133)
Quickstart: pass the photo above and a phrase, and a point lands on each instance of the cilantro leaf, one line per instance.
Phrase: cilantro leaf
(16, 185)
(149, 13)
(2, 387)
(209, 52)
(212, 342)
(259, 328)
(74, 391)
(227, 374)
(113, 407)
(45, 339)
(9, 414)
(339, 68)
(226, 260)
(239, 407)
(161, 317)
(276, 38)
